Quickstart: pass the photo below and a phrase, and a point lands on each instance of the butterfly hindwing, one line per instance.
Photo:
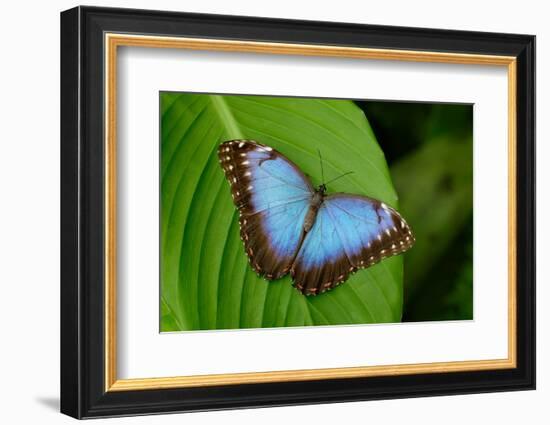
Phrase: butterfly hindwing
(350, 232)
(272, 196)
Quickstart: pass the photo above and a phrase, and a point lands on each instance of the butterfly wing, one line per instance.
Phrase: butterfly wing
(350, 232)
(272, 196)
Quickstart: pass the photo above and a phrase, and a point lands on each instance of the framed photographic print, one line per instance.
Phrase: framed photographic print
(261, 212)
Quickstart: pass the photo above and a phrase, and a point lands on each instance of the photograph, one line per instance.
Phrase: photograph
(292, 211)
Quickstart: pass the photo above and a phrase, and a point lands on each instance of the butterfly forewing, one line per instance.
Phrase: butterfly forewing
(272, 196)
(351, 232)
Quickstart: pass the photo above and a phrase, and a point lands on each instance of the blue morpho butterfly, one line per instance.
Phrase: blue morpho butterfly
(289, 226)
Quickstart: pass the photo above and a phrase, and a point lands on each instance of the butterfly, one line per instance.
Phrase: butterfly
(288, 226)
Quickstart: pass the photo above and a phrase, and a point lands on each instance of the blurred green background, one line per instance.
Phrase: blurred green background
(429, 150)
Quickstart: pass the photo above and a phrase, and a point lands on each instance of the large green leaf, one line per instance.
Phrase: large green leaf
(206, 282)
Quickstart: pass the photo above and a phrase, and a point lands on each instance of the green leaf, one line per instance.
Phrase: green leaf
(206, 282)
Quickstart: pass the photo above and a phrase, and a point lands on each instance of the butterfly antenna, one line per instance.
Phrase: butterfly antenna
(339, 177)
(321, 162)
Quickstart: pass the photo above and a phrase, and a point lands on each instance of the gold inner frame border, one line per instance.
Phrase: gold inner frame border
(113, 40)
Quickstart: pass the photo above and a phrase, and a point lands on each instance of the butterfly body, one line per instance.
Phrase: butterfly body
(288, 226)
(314, 205)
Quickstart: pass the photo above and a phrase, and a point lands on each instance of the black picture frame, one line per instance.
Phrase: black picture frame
(83, 392)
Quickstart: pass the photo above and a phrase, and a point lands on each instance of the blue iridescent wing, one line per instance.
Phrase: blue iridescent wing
(272, 196)
(351, 232)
